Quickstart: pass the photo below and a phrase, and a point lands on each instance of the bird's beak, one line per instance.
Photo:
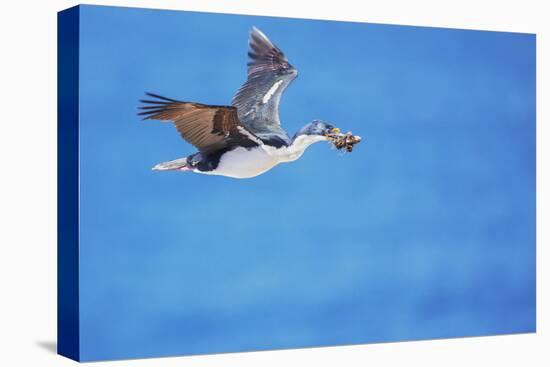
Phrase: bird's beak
(332, 131)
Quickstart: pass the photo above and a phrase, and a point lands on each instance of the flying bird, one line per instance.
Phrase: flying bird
(245, 139)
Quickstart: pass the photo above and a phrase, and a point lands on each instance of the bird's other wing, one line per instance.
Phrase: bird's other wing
(207, 127)
(269, 74)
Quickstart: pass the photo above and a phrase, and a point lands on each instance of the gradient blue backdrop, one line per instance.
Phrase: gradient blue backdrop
(426, 231)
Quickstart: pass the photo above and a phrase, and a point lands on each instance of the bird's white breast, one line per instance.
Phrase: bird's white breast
(295, 150)
(244, 163)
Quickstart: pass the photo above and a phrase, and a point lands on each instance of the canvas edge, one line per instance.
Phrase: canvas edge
(68, 325)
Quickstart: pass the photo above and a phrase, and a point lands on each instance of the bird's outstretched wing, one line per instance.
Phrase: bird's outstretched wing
(269, 74)
(207, 127)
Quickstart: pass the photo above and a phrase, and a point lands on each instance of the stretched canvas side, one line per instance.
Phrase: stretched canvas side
(68, 343)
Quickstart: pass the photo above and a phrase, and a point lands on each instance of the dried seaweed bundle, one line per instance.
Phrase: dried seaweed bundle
(344, 141)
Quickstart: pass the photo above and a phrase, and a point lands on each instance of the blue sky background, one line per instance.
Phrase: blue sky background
(427, 230)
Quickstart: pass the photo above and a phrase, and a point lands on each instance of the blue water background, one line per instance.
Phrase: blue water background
(427, 230)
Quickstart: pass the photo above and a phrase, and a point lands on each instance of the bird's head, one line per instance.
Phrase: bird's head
(319, 129)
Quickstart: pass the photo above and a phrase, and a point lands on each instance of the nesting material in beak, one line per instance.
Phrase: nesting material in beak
(343, 141)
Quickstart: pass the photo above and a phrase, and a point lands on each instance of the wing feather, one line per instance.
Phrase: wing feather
(269, 74)
(207, 127)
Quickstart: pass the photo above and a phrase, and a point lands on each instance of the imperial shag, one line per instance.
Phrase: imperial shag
(245, 139)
